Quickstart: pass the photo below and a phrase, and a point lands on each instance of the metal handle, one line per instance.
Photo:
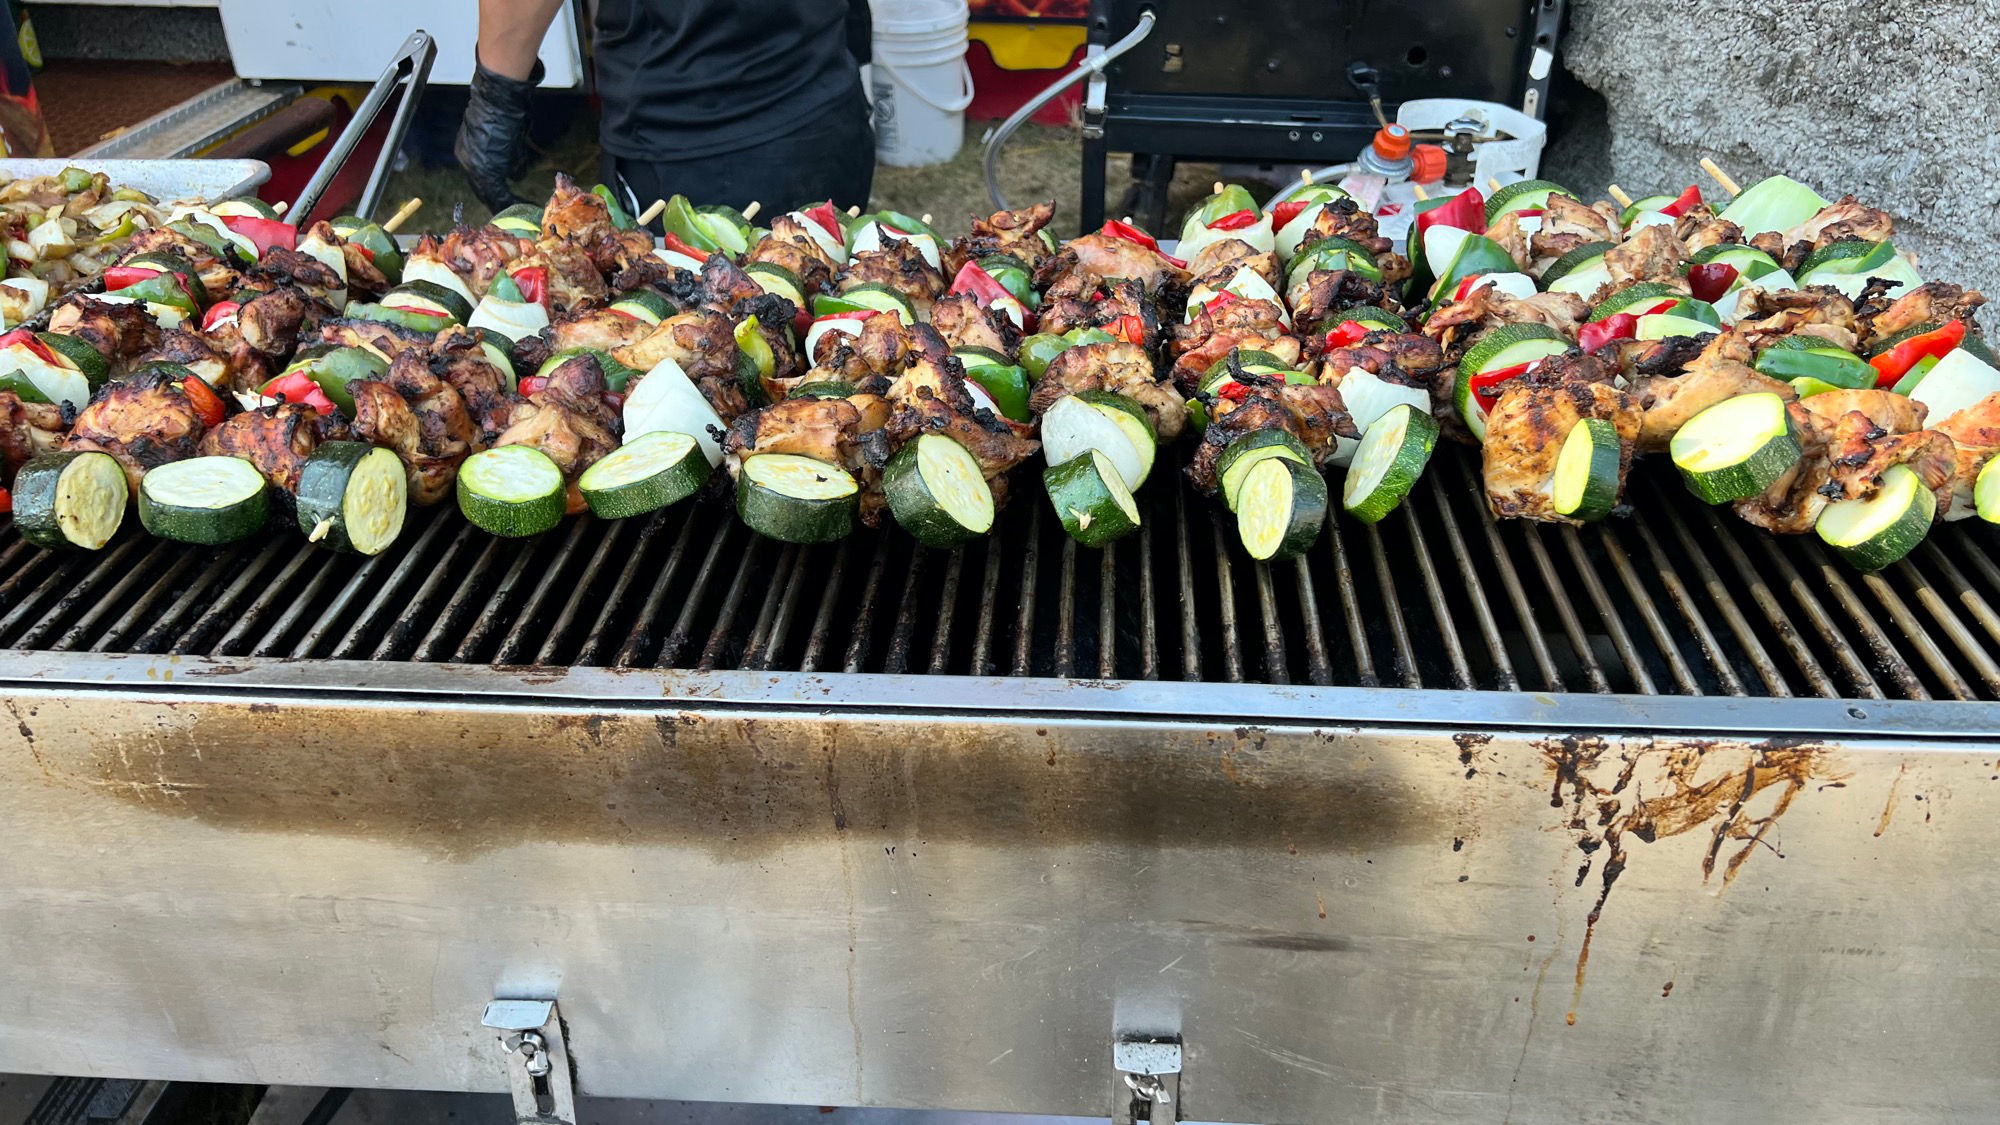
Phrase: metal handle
(411, 64)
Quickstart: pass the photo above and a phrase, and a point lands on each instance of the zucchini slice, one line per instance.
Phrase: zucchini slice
(206, 500)
(871, 296)
(1076, 424)
(1239, 456)
(1736, 448)
(937, 491)
(1873, 532)
(353, 497)
(1390, 458)
(645, 474)
(1586, 484)
(1280, 508)
(796, 499)
(1091, 499)
(70, 501)
(1985, 492)
(511, 491)
(1522, 195)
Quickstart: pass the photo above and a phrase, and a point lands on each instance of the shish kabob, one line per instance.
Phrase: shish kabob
(907, 396)
(1777, 349)
(1276, 412)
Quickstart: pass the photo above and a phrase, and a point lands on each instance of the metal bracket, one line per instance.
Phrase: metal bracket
(1148, 1086)
(1547, 16)
(537, 1060)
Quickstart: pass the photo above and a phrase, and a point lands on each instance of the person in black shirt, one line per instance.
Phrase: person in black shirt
(724, 101)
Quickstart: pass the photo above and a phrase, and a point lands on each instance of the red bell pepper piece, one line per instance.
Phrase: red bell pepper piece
(825, 216)
(1710, 280)
(1235, 220)
(1688, 201)
(1893, 364)
(1466, 211)
(1346, 334)
(28, 340)
(299, 387)
(1283, 213)
(857, 314)
(976, 281)
(533, 385)
(533, 283)
(6, 501)
(1486, 380)
(1233, 391)
(1596, 334)
(671, 242)
(124, 277)
(1130, 329)
(220, 313)
(206, 402)
(1220, 299)
(1137, 237)
(264, 233)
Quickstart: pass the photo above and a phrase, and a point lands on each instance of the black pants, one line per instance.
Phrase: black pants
(832, 156)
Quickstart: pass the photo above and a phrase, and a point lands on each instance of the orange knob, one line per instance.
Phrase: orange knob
(1430, 164)
(1392, 142)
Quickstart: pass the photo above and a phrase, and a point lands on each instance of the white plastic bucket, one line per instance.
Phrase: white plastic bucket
(921, 81)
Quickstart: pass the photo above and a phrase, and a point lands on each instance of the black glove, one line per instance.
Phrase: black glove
(490, 147)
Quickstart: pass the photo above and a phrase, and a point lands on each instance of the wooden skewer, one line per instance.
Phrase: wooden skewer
(281, 206)
(1721, 177)
(1218, 188)
(1492, 184)
(651, 213)
(1618, 193)
(925, 218)
(320, 530)
(402, 215)
(854, 210)
(750, 212)
(1306, 175)
(1421, 193)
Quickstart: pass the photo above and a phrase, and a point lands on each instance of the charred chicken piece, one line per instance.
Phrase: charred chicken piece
(277, 439)
(1670, 400)
(569, 420)
(278, 266)
(27, 430)
(1568, 223)
(599, 328)
(848, 432)
(795, 251)
(196, 352)
(901, 266)
(1076, 269)
(995, 443)
(1764, 315)
(479, 254)
(579, 218)
(1105, 303)
(1975, 437)
(382, 338)
(457, 358)
(573, 279)
(420, 417)
(120, 332)
(1843, 219)
(145, 422)
(1319, 305)
(1525, 432)
(1119, 367)
(1933, 302)
(1456, 325)
(1650, 254)
(1017, 233)
(702, 341)
(274, 321)
(1344, 218)
(1216, 262)
(1699, 227)
(1859, 451)
(963, 324)
(216, 275)
(1313, 413)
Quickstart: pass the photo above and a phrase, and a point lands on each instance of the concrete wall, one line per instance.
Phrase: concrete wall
(1897, 101)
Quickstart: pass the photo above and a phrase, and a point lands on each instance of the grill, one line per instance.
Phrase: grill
(1682, 601)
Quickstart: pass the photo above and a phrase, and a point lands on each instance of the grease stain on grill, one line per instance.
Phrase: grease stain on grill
(1656, 789)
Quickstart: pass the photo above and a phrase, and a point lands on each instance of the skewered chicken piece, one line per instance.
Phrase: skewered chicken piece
(277, 439)
(1217, 262)
(1648, 254)
(144, 421)
(1859, 451)
(216, 275)
(382, 338)
(1223, 325)
(790, 247)
(1313, 413)
(1119, 367)
(243, 368)
(1720, 372)
(479, 254)
(1568, 223)
(847, 432)
(120, 331)
(1763, 316)
(1793, 503)
(959, 318)
(1525, 432)
(1975, 437)
(995, 443)
(1016, 233)
(458, 359)
(1459, 323)
(1081, 264)
(1321, 304)
(900, 265)
(1104, 304)
(1699, 228)
(1933, 302)
(420, 417)
(27, 430)
(1344, 218)
(274, 321)
(569, 420)
(1843, 219)
(578, 218)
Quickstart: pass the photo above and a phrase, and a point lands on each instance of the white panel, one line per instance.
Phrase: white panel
(352, 40)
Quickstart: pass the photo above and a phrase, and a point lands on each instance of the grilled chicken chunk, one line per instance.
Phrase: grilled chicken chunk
(1120, 367)
(1975, 438)
(278, 267)
(1720, 372)
(995, 443)
(1568, 223)
(1525, 432)
(458, 359)
(1081, 263)
(1699, 228)
(1841, 220)
(1764, 315)
(1859, 452)
(602, 329)
(1459, 323)
(1933, 302)
(217, 276)
(384, 339)
(1650, 254)
(1321, 303)
(901, 266)
(420, 417)
(1793, 503)
(274, 321)
(963, 324)
(194, 351)
(120, 332)
(573, 280)
(27, 430)
(702, 341)
(1017, 233)
(882, 349)
(1312, 413)
(848, 432)
(145, 421)
(577, 217)
(479, 254)
(1217, 262)
(1344, 218)
(1224, 325)
(1101, 305)
(277, 439)
(1193, 364)
(569, 420)
(790, 247)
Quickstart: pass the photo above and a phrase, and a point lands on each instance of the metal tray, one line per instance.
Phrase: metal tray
(161, 179)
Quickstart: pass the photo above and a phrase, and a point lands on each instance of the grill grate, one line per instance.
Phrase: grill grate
(1681, 602)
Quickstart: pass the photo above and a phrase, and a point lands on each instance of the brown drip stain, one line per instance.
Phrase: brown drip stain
(1734, 792)
(1889, 806)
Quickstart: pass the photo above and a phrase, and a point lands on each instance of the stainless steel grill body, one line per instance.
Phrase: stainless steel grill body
(864, 824)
